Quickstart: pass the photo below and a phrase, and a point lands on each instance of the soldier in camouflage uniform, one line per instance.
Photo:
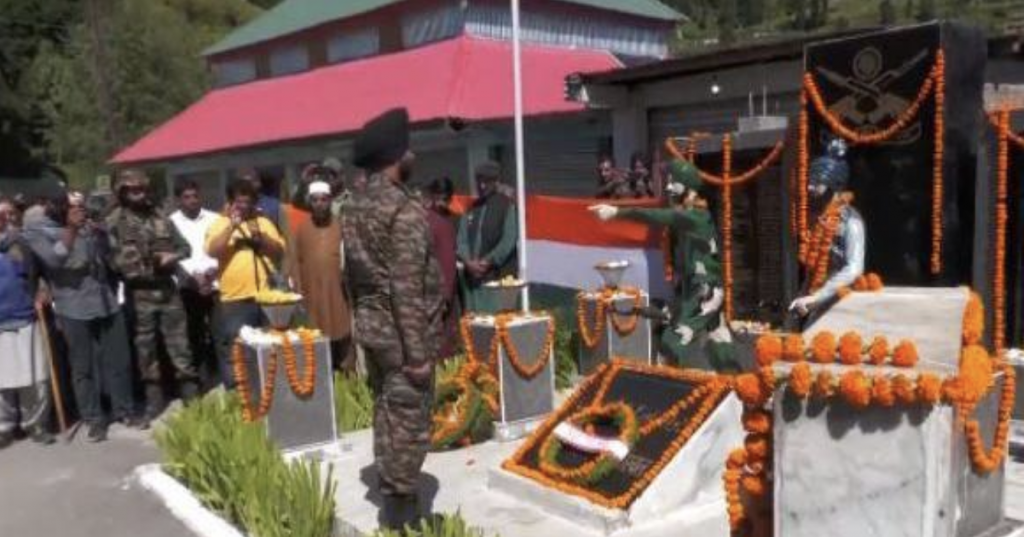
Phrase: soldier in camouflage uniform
(699, 336)
(395, 282)
(146, 251)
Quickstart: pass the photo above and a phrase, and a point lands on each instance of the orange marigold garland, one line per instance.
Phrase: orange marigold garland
(540, 361)
(999, 268)
(752, 390)
(988, 460)
(727, 223)
(878, 351)
(855, 388)
(251, 412)
(768, 349)
(938, 187)
(850, 348)
(793, 348)
(903, 389)
(304, 387)
(929, 389)
(882, 391)
(823, 388)
(801, 380)
(818, 252)
(803, 174)
(905, 354)
(823, 348)
(756, 420)
(590, 337)
(733, 474)
(974, 320)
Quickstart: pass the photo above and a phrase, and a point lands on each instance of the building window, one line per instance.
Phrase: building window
(229, 73)
(432, 25)
(352, 45)
(288, 60)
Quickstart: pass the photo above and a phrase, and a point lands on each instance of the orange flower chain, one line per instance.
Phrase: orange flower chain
(305, 387)
(1002, 124)
(250, 411)
(504, 338)
(727, 222)
(818, 252)
(715, 388)
(604, 302)
(850, 348)
(934, 85)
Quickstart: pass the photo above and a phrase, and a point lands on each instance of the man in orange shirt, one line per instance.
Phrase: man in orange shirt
(247, 247)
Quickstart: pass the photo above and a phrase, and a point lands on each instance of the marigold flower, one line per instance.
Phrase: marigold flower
(855, 388)
(757, 421)
(823, 385)
(903, 389)
(754, 485)
(875, 282)
(850, 348)
(737, 458)
(823, 348)
(793, 348)
(929, 388)
(879, 350)
(768, 349)
(757, 446)
(751, 390)
(905, 354)
(974, 320)
(882, 391)
(801, 380)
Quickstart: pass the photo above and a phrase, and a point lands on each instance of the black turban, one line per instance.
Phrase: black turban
(383, 141)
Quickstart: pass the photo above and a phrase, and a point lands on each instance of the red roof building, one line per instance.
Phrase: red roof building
(296, 84)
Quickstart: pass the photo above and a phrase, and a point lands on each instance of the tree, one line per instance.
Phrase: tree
(727, 22)
(127, 67)
(926, 10)
(887, 12)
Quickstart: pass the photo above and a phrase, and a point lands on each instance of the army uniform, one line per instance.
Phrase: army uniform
(152, 294)
(699, 336)
(395, 282)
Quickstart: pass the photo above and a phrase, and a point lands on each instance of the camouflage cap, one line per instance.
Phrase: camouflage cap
(131, 176)
(686, 174)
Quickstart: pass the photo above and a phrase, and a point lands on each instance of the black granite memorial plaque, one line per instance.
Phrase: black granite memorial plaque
(868, 82)
(651, 392)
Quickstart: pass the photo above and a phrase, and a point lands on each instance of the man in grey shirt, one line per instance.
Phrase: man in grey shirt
(74, 251)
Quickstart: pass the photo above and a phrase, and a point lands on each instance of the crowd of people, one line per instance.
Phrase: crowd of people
(142, 300)
(634, 182)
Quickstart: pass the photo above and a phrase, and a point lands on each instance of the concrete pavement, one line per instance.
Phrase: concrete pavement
(82, 489)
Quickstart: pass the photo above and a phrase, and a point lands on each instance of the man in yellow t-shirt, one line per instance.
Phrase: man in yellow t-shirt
(247, 247)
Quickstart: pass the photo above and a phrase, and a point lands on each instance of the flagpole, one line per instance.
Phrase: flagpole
(517, 82)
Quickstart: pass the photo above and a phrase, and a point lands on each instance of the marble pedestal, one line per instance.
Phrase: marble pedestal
(688, 491)
(524, 401)
(635, 346)
(295, 423)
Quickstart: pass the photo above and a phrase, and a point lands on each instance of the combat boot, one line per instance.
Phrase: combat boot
(400, 511)
(155, 403)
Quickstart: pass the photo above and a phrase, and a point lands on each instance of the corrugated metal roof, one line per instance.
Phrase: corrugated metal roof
(293, 16)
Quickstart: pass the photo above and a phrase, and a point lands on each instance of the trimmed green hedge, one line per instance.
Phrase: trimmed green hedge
(235, 470)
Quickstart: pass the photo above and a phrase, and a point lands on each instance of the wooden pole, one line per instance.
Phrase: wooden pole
(58, 399)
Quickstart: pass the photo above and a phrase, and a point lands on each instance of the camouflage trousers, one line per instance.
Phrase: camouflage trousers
(158, 312)
(401, 428)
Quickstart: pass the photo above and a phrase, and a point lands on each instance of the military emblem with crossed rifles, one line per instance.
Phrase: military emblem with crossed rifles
(870, 106)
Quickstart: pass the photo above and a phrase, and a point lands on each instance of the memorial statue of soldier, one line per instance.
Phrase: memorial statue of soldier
(395, 284)
(146, 250)
(699, 336)
(834, 257)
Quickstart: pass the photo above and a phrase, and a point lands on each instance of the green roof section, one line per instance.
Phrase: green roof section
(293, 16)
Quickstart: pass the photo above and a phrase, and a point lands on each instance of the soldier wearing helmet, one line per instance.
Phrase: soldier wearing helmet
(147, 249)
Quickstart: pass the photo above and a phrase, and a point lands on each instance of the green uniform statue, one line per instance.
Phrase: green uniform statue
(699, 335)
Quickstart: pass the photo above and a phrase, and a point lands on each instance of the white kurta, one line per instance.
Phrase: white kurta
(23, 360)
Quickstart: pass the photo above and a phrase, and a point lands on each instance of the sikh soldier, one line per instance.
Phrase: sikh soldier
(146, 250)
(699, 289)
(395, 283)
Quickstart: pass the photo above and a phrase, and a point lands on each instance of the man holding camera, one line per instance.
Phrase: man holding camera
(74, 251)
(146, 250)
(247, 247)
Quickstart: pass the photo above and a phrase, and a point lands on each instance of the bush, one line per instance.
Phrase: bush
(353, 403)
(439, 526)
(235, 470)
